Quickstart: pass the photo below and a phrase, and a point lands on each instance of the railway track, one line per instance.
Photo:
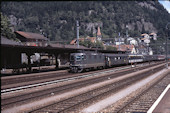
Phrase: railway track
(25, 98)
(75, 103)
(22, 82)
(143, 101)
(61, 89)
(31, 77)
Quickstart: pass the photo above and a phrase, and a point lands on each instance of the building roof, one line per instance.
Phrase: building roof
(8, 41)
(152, 34)
(75, 40)
(92, 39)
(29, 35)
(144, 34)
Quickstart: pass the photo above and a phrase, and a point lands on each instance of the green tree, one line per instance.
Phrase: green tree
(5, 30)
(98, 45)
(111, 48)
(86, 43)
(61, 16)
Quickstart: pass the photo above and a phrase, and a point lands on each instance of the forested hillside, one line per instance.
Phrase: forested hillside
(57, 20)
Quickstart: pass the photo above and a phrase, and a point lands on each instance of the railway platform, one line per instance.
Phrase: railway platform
(162, 104)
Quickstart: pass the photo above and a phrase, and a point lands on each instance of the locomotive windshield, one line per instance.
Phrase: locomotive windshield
(78, 58)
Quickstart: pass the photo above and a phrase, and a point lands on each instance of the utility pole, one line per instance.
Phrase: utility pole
(119, 41)
(77, 33)
(126, 33)
(168, 29)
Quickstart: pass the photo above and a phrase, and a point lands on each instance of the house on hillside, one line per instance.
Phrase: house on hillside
(31, 39)
(119, 41)
(153, 36)
(91, 39)
(108, 41)
(126, 48)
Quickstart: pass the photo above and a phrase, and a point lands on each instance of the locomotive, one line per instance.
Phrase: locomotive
(90, 60)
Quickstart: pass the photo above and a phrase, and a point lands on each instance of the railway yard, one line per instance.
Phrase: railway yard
(123, 89)
(114, 59)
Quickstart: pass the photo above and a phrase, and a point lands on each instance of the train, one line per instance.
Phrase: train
(82, 61)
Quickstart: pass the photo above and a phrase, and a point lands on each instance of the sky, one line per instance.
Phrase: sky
(166, 4)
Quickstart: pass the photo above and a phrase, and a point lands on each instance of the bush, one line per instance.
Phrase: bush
(111, 48)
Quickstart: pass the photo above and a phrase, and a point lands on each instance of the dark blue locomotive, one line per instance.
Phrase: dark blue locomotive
(90, 60)
(81, 61)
